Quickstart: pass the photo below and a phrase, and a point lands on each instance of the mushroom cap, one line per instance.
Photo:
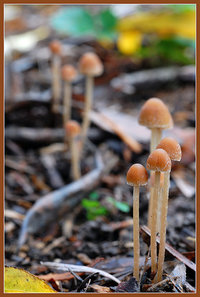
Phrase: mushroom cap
(137, 175)
(90, 65)
(172, 147)
(155, 114)
(72, 128)
(69, 73)
(159, 160)
(55, 47)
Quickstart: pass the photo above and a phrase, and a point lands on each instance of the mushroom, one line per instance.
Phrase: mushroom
(136, 176)
(73, 130)
(69, 74)
(173, 149)
(91, 66)
(158, 161)
(155, 116)
(55, 47)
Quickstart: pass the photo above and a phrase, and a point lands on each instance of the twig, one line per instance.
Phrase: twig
(57, 203)
(77, 268)
(146, 231)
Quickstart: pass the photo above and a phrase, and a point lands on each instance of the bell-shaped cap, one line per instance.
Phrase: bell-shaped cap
(72, 128)
(69, 73)
(159, 160)
(90, 65)
(55, 47)
(155, 114)
(137, 175)
(172, 147)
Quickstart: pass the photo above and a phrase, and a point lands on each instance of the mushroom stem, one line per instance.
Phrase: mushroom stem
(163, 225)
(67, 102)
(56, 80)
(136, 247)
(154, 222)
(156, 135)
(88, 105)
(75, 170)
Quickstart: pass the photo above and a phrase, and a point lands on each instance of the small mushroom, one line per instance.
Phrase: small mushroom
(55, 47)
(91, 66)
(136, 176)
(158, 161)
(73, 129)
(69, 74)
(155, 116)
(173, 149)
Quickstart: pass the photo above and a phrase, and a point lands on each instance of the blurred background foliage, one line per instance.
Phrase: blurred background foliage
(166, 32)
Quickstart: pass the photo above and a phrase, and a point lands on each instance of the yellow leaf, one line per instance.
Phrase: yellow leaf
(21, 281)
(161, 23)
(129, 42)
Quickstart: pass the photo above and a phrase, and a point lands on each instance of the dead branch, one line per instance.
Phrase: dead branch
(79, 268)
(55, 204)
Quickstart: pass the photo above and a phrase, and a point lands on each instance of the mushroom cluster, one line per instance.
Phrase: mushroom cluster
(90, 66)
(156, 117)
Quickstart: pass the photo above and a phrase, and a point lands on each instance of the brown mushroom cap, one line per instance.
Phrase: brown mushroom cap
(172, 147)
(137, 175)
(90, 64)
(155, 114)
(55, 47)
(69, 73)
(159, 160)
(72, 128)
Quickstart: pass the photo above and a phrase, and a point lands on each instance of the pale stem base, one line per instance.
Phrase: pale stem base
(88, 106)
(136, 239)
(75, 164)
(67, 102)
(154, 222)
(56, 82)
(161, 255)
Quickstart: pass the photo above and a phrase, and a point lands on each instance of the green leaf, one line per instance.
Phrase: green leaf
(94, 196)
(73, 20)
(94, 209)
(122, 206)
(108, 20)
(86, 203)
(105, 24)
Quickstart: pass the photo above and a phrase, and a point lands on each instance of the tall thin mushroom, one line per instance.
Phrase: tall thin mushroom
(158, 161)
(55, 47)
(136, 176)
(91, 66)
(173, 149)
(73, 129)
(155, 116)
(69, 74)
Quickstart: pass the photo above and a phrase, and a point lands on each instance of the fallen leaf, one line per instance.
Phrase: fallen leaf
(21, 281)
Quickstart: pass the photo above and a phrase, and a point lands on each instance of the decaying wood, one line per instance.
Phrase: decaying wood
(78, 268)
(129, 82)
(54, 176)
(42, 135)
(57, 203)
(133, 144)
(169, 249)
